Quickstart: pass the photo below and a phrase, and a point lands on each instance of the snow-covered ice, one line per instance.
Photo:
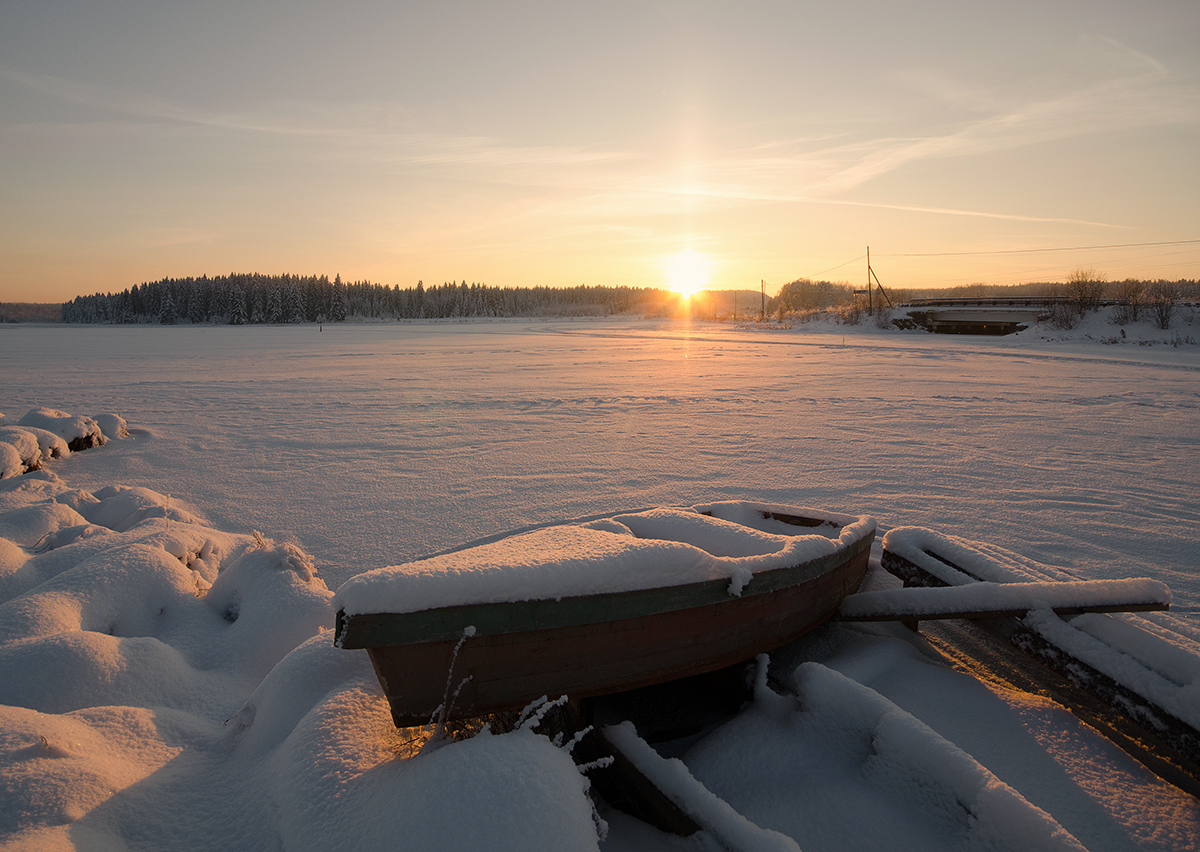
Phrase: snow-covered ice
(168, 680)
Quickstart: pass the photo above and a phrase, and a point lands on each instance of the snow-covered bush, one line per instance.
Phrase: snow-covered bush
(850, 313)
(1132, 294)
(1163, 303)
(79, 432)
(113, 426)
(24, 446)
(47, 433)
(1084, 289)
(1064, 315)
(11, 463)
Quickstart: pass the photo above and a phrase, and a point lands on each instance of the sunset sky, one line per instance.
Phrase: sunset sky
(560, 143)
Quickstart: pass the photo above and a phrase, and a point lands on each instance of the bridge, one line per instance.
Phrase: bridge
(968, 315)
(1006, 302)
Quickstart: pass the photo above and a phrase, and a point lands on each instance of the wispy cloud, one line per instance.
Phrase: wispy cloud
(610, 183)
(1136, 91)
(379, 131)
(166, 236)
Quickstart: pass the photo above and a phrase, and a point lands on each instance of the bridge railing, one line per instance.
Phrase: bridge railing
(980, 302)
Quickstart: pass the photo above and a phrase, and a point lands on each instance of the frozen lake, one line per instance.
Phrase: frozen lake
(374, 444)
(127, 688)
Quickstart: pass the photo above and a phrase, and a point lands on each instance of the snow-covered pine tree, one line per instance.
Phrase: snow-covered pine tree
(166, 308)
(339, 305)
(275, 306)
(293, 303)
(237, 306)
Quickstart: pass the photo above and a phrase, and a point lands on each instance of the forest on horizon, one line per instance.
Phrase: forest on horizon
(253, 299)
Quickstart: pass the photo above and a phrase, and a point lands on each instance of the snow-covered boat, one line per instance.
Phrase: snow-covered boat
(598, 607)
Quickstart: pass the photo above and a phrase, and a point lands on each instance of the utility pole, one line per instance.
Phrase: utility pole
(762, 314)
(870, 287)
(882, 292)
(868, 279)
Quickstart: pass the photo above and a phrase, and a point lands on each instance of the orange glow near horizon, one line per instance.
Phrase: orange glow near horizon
(538, 161)
(688, 272)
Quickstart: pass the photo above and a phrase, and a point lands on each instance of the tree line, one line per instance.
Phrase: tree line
(238, 299)
(243, 299)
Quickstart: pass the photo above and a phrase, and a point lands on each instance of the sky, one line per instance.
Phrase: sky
(562, 143)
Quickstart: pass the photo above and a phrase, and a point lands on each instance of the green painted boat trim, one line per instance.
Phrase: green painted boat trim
(376, 630)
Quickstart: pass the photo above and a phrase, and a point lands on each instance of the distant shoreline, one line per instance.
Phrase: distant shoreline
(30, 311)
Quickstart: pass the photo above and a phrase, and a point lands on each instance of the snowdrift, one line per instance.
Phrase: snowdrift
(164, 684)
(47, 433)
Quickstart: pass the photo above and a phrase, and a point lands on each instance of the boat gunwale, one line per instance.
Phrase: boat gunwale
(439, 624)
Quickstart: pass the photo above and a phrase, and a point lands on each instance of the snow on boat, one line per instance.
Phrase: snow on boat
(604, 606)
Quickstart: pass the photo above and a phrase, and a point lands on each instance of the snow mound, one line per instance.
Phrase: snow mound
(79, 432)
(24, 443)
(117, 606)
(47, 433)
(336, 782)
(11, 461)
(148, 660)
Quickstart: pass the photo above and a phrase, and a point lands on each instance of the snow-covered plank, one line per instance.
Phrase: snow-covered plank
(1114, 660)
(925, 557)
(996, 600)
(712, 813)
(1133, 672)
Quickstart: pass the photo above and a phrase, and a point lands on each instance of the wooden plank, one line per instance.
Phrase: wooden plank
(1027, 662)
(990, 650)
(1006, 600)
(620, 782)
(917, 614)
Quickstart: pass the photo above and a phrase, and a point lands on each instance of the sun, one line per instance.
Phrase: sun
(687, 273)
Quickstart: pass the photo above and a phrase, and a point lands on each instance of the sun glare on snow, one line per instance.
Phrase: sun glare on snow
(687, 273)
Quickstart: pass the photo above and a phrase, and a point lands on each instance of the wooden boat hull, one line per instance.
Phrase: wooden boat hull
(594, 645)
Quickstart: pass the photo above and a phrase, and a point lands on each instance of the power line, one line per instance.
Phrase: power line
(1009, 251)
(839, 266)
(1034, 250)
